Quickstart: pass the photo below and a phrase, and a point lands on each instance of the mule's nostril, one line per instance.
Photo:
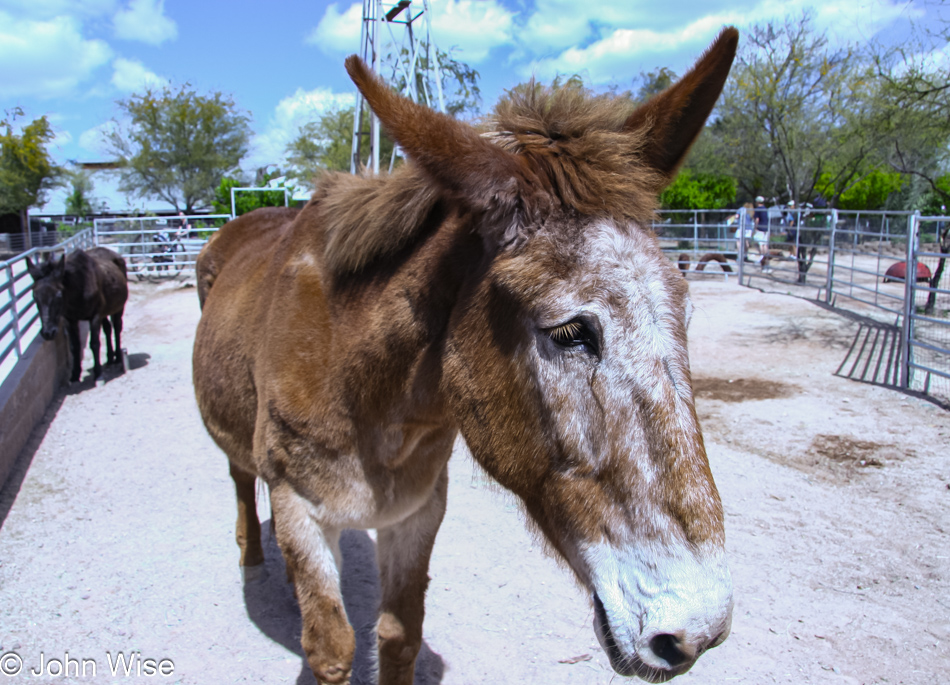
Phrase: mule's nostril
(667, 647)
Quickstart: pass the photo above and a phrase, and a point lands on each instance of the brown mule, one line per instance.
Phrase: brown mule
(504, 285)
(84, 285)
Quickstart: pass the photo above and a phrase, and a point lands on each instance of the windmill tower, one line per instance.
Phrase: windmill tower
(402, 29)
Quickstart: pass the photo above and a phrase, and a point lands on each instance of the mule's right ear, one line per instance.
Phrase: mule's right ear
(35, 271)
(484, 176)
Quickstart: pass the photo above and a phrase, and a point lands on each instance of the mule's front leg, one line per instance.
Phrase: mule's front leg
(107, 329)
(75, 349)
(95, 325)
(312, 554)
(404, 551)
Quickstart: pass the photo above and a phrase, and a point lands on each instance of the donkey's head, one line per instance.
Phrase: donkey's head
(566, 361)
(48, 293)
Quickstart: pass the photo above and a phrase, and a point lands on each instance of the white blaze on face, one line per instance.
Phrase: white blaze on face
(663, 599)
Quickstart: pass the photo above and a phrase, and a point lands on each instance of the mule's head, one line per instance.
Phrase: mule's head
(566, 360)
(48, 293)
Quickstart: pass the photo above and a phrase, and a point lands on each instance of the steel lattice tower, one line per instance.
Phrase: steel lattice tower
(413, 59)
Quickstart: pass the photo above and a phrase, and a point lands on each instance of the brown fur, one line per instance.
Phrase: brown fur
(341, 350)
(85, 285)
(714, 257)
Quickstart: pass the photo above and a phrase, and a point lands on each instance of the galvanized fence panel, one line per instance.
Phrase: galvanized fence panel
(928, 307)
(702, 242)
(19, 318)
(157, 248)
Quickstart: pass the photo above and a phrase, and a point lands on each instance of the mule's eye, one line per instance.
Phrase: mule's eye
(575, 333)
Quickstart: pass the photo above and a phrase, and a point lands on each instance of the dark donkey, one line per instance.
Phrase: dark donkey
(504, 285)
(84, 285)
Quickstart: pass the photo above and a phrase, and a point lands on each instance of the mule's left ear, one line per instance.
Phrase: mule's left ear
(672, 120)
(59, 267)
(481, 174)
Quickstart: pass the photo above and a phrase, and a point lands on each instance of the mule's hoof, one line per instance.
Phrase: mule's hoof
(252, 574)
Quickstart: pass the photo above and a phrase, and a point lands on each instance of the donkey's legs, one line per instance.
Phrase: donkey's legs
(312, 553)
(117, 327)
(95, 326)
(72, 328)
(248, 528)
(403, 551)
(107, 330)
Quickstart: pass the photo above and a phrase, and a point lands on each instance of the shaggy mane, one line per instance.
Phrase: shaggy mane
(575, 143)
(368, 217)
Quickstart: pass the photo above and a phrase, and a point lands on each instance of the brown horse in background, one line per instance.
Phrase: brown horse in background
(84, 285)
(505, 285)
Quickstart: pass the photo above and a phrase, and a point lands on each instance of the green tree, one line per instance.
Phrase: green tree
(27, 171)
(245, 202)
(870, 192)
(81, 202)
(697, 190)
(911, 111)
(792, 111)
(654, 82)
(178, 145)
(461, 93)
(326, 145)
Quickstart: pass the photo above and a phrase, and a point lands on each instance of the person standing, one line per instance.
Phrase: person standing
(744, 229)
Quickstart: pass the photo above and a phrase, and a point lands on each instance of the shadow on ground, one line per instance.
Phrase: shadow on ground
(11, 488)
(271, 605)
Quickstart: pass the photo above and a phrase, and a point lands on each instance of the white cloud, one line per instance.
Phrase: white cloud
(46, 58)
(612, 58)
(474, 27)
(338, 31)
(269, 147)
(47, 9)
(144, 20)
(91, 139)
(618, 44)
(130, 76)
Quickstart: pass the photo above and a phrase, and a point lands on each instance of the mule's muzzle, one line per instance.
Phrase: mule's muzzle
(655, 658)
(49, 333)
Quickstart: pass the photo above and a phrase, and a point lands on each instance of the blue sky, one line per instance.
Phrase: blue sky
(283, 60)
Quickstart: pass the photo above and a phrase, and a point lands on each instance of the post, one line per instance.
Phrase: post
(830, 281)
(14, 313)
(232, 204)
(910, 280)
(740, 258)
(696, 231)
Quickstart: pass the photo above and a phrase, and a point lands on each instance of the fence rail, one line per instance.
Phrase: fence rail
(853, 262)
(19, 318)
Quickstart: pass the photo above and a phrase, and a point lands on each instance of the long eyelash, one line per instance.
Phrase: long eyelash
(566, 331)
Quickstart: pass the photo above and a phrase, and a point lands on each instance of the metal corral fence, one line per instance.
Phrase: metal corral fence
(853, 262)
(19, 318)
(157, 247)
(702, 241)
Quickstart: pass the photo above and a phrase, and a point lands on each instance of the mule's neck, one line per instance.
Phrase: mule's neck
(393, 315)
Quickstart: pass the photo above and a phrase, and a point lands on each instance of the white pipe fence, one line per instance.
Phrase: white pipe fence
(19, 318)
(849, 261)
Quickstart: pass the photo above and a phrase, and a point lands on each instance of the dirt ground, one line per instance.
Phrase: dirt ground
(117, 529)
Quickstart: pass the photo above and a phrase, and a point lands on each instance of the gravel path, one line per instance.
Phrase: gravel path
(117, 529)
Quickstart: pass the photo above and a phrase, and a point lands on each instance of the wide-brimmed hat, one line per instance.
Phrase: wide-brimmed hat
(760, 199)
